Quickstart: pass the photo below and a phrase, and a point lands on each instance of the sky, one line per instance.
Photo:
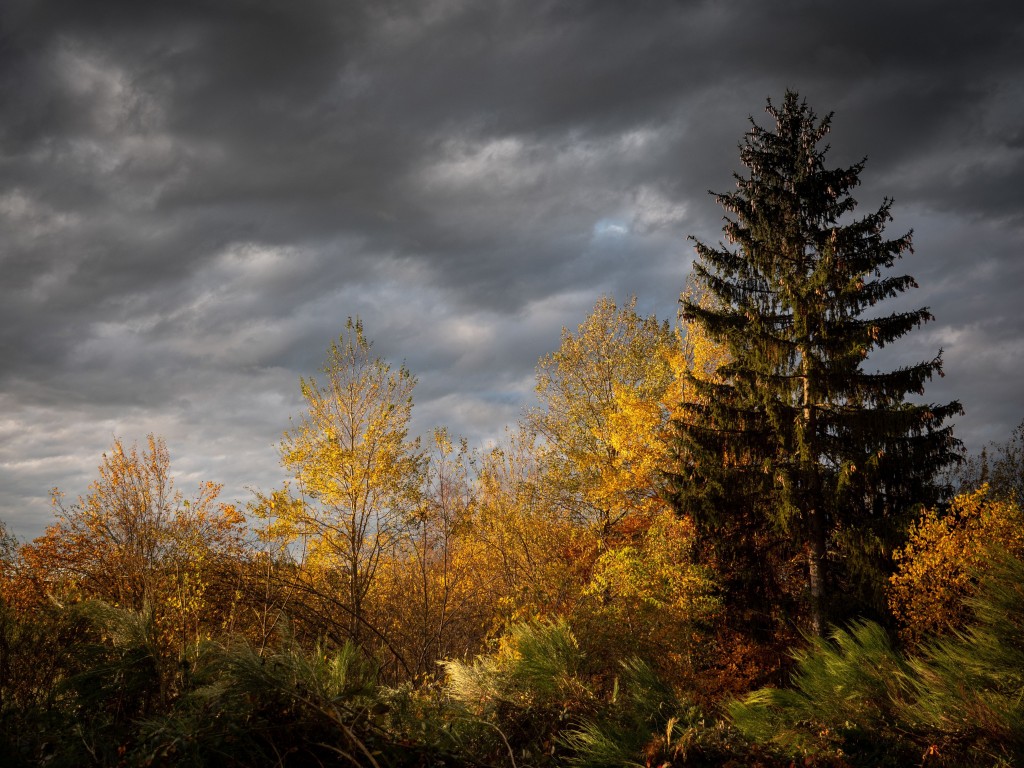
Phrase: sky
(194, 196)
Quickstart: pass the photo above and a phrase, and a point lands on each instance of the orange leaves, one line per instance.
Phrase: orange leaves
(134, 540)
(939, 565)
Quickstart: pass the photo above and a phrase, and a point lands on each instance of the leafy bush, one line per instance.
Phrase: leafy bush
(939, 567)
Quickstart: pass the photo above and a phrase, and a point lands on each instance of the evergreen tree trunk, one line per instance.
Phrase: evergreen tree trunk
(817, 573)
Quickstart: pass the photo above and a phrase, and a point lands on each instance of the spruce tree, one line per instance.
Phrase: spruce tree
(794, 434)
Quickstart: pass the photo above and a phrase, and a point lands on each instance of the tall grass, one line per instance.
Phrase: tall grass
(538, 700)
(970, 686)
(848, 692)
(643, 717)
(283, 707)
(515, 701)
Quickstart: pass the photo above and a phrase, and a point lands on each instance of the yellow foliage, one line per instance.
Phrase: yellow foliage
(529, 558)
(607, 396)
(356, 472)
(700, 356)
(657, 573)
(939, 565)
(649, 596)
(603, 415)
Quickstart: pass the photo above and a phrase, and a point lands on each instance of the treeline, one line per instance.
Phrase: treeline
(527, 606)
(721, 543)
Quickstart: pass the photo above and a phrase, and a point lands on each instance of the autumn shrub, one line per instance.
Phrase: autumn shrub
(135, 543)
(938, 569)
(38, 651)
(81, 677)
(115, 699)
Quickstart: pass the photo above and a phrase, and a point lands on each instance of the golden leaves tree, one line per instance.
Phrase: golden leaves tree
(357, 472)
(603, 414)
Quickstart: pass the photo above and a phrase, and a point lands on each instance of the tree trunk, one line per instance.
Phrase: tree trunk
(816, 570)
(811, 482)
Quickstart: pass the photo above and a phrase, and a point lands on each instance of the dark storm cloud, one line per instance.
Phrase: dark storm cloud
(195, 195)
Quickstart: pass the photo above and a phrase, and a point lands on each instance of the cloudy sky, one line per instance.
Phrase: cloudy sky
(194, 196)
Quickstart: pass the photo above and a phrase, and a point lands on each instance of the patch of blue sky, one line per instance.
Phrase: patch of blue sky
(610, 228)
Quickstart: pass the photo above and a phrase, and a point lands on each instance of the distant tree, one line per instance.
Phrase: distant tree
(136, 546)
(1006, 471)
(794, 432)
(1000, 465)
(134, 539)
(8, 551)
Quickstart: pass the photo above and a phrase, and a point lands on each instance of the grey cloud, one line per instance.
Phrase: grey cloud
(195, 195)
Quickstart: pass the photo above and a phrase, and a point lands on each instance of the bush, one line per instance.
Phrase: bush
(939, 567)
(970, 685)
(958, 702)
(288, 706)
